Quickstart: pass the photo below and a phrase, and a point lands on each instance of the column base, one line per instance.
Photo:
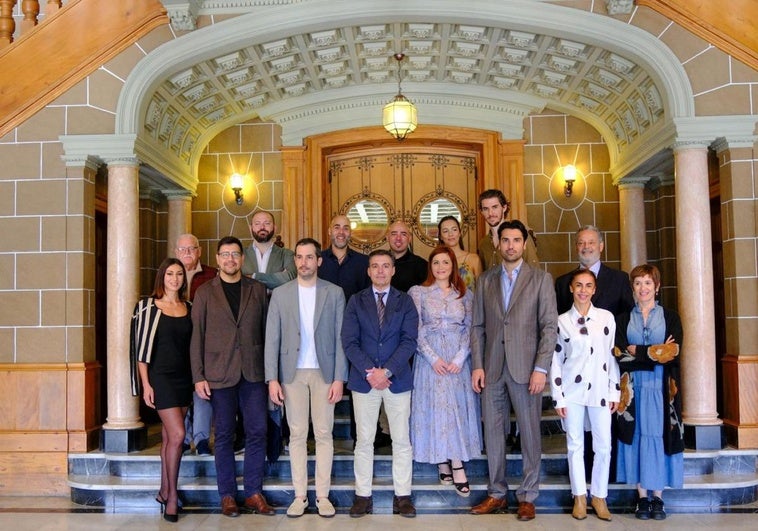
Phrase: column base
(124, 441)
(704, 437)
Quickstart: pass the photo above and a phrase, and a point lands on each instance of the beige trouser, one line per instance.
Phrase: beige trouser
(307, 397)
(398, 407)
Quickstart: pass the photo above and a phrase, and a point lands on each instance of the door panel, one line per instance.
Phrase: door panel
(419, 186)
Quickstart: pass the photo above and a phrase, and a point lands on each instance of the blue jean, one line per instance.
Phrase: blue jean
(197, 423)
(252, 399)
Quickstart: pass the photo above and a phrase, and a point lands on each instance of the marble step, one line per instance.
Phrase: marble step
(119, 494)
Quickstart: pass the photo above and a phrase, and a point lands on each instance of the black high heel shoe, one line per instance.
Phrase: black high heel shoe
(445, 477)
(173, 518)
(163, 502)
(463, 488)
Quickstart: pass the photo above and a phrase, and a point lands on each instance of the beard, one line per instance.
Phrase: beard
(263, 239)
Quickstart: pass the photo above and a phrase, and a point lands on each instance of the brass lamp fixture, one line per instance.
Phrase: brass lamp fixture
(569, 177)
(399, 116)
(236, 183)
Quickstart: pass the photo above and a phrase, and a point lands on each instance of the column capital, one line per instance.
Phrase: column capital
(723, 143)
(182, 13)
(106, 149)
(178, 195)
(698, 132)
(638, 181)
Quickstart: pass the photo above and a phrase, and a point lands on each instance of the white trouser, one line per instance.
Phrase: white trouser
(600, 422)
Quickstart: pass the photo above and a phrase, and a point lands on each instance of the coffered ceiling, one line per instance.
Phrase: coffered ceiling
(482, 64)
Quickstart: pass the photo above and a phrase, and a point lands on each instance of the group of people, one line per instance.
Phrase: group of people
(443, 348)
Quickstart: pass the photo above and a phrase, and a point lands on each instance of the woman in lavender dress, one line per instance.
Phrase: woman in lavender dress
(445, 417)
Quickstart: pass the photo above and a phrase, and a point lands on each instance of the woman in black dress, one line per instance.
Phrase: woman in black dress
(161, 331)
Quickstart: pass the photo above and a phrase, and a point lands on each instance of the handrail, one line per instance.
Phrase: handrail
(67, 47)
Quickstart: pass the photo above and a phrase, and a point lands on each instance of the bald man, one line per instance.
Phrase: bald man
(340, 264)
(410, 269)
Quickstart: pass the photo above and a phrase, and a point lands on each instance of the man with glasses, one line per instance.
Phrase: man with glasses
(197, 423)
(226, 352)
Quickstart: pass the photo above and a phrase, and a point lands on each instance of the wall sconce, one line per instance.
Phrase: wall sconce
(569, 177)
(236, 182)
(399, 116)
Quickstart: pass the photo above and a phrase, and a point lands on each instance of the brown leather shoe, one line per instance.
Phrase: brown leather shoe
(403, 506)
(258, 504)
(229, 507)
(362, 505)
(526, 511)
(490, 505)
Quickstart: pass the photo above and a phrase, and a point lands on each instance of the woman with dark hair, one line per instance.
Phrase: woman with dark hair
(449, 234)
(649, 416)
(584, 382)
(445, 417)
(160, 340)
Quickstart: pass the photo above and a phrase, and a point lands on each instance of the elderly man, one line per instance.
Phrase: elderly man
(265, 262)
(197, 424)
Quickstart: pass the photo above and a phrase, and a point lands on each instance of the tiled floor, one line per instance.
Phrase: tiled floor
(53, 514)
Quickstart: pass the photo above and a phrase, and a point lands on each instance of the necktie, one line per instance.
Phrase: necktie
(380, 306)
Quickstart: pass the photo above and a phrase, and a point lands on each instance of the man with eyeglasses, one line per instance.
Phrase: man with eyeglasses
(226, 352)
(513, 334)
(197, 423)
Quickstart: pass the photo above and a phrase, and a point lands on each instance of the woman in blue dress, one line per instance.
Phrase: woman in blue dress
(445, 417)
(649, 416)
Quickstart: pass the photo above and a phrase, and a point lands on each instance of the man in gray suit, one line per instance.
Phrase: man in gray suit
(513, 335)
(265, 262)
(306, 369)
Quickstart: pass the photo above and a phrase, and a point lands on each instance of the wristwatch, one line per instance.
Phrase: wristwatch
(387, 373)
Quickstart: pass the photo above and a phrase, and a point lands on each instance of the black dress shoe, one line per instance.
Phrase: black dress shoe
(362, 505)
(403, 506)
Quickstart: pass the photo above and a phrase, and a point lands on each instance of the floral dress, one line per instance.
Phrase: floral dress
(445, 414)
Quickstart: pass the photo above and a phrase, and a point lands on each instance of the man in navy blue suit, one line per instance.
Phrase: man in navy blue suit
(379, 332)
(613, 291)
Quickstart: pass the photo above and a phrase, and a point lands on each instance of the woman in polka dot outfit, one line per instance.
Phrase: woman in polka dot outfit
(584, 380)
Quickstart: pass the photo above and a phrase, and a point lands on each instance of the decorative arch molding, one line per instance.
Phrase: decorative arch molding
(269, 24)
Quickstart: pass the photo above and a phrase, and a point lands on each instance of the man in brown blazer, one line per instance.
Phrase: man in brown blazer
(226, 352)
(513, 334)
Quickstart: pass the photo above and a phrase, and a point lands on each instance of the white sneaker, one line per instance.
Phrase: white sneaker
(297, 507)
(325, 507)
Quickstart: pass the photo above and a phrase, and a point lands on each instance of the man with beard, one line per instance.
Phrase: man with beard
(410, 269)
(265, 262)
(341, 265)
(513, 334)
(494, 208)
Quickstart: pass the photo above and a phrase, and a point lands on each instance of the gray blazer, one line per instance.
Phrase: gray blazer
(280, 268)
(283, 332)
(223, 349)
(521, 337)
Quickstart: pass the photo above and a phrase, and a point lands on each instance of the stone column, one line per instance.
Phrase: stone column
(695, 278)
(179, 217)
(123, 430)
(632, 219)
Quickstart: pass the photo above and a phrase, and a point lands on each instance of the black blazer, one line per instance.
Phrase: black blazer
(613, 293)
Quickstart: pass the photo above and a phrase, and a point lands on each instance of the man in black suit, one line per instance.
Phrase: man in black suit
(613, 293)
